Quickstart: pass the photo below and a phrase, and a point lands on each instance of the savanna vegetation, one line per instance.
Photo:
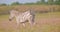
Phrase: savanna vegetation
(47, 16)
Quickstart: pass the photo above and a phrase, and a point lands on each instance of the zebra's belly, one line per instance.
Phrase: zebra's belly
(23, 20)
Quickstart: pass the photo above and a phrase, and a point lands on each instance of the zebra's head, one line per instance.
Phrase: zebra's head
(13, 13)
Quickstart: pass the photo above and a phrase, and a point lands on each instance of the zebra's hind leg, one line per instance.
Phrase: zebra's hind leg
(31, 21)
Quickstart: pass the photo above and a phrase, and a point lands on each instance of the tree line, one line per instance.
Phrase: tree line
(48, 2)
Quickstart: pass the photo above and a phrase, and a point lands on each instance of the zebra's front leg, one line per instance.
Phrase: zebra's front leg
(18, 25)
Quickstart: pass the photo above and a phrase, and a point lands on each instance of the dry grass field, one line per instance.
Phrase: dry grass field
(45, 22)
(34, 7)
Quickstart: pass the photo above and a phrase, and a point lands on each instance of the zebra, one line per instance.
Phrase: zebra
(22, 17)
